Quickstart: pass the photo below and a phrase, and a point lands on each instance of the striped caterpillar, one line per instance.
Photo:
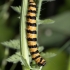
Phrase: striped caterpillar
(32, 34)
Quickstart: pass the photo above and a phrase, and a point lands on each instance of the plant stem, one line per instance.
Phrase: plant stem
(4, 62)
(38, 13)
(13, 66)
(24, 48)
(64, 47)
(39, 8)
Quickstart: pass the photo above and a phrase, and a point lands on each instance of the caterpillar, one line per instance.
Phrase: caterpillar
(32, 34)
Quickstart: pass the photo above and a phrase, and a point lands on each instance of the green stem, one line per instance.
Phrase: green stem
(24, 48)
(13, 66)
(4, 62)
(38, 13)
(63, 47)
(39, 8)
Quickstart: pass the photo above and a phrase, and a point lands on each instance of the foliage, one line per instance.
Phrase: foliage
(49, 35)
(15, 44)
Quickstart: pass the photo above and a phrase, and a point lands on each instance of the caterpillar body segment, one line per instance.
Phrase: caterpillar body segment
(32, 34)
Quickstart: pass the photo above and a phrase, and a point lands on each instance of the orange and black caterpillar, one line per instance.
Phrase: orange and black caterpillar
(32, 34)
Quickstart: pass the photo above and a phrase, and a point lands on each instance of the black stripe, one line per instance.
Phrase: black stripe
(32, 11)
(32, 32)
(41, 59)
(32, 53)
(31, 17)
(32, 39)
(31, 5)
(31, 24)
(42, 64)
(31, 2)
(32, 46)
(39, 64)
(36, 57)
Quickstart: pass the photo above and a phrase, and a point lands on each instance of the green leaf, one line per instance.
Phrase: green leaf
(14, 58)
(37, 68)
(15, 44)
(46, 21)
(40, 48)
(48, 55)
(24, 62)
(17, 9)
(19, 17)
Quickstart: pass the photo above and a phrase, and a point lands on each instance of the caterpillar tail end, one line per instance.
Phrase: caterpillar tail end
(42, 64)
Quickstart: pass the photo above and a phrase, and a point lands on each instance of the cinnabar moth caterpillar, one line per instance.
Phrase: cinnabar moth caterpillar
(32, 34)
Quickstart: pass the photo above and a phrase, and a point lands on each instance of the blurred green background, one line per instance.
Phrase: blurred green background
(54, 37)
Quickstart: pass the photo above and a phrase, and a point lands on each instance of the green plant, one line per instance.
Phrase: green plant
(20, 45)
